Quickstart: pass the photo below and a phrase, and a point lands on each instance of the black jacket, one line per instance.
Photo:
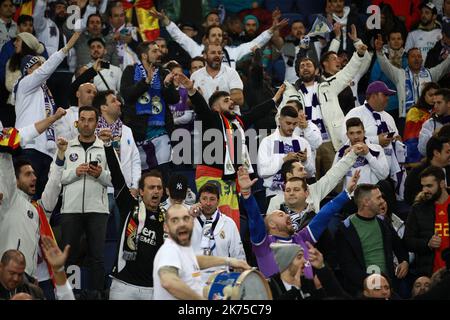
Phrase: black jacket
(412, 182)
(212, 120)
(351, 257)
(330, 288)
(131, 92)
(419, 229)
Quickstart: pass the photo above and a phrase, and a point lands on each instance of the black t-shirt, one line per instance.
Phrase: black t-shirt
(139, 272)
(86, 145)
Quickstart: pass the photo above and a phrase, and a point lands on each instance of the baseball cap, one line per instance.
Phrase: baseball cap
(178, 185)
(428, 5)
(379, 86)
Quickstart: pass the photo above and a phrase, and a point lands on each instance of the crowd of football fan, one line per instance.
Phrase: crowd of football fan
(147, 146)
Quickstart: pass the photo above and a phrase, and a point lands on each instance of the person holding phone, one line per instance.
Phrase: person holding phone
(106, 75)
(281, 146)
(85, 179)
(380, 129)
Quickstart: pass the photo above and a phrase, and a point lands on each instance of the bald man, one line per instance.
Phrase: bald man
(66, 127)
(377, 287)
(420, 286)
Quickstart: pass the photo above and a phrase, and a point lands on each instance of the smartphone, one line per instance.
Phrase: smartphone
(93, 163)
(104, 64)
(390, 135)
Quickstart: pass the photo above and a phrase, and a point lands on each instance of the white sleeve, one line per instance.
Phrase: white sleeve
(192, 48)
(52, 189)
(41, 74)
(185, 118)
(136, 164)
(64, 292)
(312, 135)
(388, 69)
(274, 204)
(425, 134)
(378, 165)
(8, 184)
(27, 134)
(260, 41)
(268, 165)
(236, 247)
(310, 165)
(319, 190)
(347, 74)
(235, 81)
(39, 19)
(440, 70)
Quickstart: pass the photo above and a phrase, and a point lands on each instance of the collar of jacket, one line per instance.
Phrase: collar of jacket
(97, 143)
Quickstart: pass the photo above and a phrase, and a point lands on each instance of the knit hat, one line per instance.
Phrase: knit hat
(251, 17)
(31, 42)
(285, 253)
(27, 62)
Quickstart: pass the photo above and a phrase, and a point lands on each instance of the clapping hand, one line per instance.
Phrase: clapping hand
(55, 257)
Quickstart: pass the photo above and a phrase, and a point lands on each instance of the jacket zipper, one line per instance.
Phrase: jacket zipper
(84, 183)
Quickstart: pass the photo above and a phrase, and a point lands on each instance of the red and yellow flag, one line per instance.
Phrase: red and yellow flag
(26, 8)
(148, 26)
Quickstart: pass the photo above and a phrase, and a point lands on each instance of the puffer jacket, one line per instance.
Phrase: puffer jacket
(84, 194)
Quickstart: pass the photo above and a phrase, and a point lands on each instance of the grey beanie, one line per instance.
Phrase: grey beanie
(285, 253)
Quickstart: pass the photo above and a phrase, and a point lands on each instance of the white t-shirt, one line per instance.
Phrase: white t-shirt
(424, 40)
(183, 258)
(226, 80)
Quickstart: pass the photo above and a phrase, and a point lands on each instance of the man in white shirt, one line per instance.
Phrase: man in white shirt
(108, 77)
(280, 147)
(216, 76)
(176, 269)
(215, 234)
(371, 162)
(214, 34)
(409, 81)
(441, 116)
(380, 127)
(427, 33)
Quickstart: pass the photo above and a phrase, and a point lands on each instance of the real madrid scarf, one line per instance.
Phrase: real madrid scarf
(413, 87)
(151, 102)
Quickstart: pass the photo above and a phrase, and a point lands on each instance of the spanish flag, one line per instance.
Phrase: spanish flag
(10, 141)
(26, 8)
(148, 26)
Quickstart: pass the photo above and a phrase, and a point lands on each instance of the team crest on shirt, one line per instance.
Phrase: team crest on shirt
(73, 157)
(156, 105)
(222, 234)
(30, 214)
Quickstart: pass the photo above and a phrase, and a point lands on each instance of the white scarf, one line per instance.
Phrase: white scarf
(343, 22)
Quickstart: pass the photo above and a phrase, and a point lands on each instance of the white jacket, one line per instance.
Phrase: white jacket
(30, 102)
(319, 190)
(235, 53)
(227, 239)
(376, 168)
(85, 194)
(130, 161)
(328, 91)
(43, 27)
(19, 219)
(269, 162)
(398, 76)
(429, 127)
